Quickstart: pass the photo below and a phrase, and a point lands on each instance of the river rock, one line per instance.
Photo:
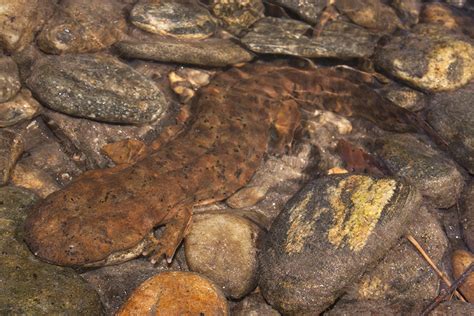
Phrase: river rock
(467, 216)
(20, 20)
(21, 108)
(9, 79)
(403, 275)
(461, 260)
(408, 10)
(30, 287)
(451, 115)
(11, 147)
(179, 19)
(232, 262)
(436, 176)
(97, 87)
(81, 26)
(371, 14)
(176, 293)
(253, 304)
(283, 36)
(115, 283)
(454, 19)
(405, 97)
(211, 52)
(327, 235)
(238, 15)
(308, 10)
(428, 58)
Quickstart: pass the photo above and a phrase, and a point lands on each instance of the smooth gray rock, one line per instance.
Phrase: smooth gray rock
(97, 87)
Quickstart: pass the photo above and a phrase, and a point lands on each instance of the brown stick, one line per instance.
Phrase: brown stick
(440, 273)
(446, 293)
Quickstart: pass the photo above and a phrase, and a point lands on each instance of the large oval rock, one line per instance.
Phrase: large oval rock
(429, 58)
(9, 78)
(80, 26)
(97, 87)
(327, 235)
(232, 262)
(451, 115)
(437, 177)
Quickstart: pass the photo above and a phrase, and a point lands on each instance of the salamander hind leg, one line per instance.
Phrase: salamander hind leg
(175, 230)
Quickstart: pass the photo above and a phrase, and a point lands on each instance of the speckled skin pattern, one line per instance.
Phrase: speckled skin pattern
(235, 121)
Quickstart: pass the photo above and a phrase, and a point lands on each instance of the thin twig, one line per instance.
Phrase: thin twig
(446, 293)
(440, 273)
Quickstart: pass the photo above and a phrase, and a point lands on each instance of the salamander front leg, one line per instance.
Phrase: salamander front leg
(175, 231)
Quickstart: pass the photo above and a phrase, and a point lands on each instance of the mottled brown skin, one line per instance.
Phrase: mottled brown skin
(236, 117)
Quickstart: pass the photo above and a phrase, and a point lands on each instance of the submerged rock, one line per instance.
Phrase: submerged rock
(290, 37)
(405, 97)
(253, 304)
(408, 10)
(21, 108)
(20, 20)
(437, 177)
(327, 235)
(308, 10)
(212, 52)
(184, 20)
(451, 115)
(80, 26)
(11, 147)
(97, 87)
(9, 79)
(238, 15)
(429, 58)
(467, 216)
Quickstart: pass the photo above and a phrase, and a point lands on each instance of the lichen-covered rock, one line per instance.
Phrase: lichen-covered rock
(429, 58)
(30, 287)
(9, 79)
(308, 10)
(327, 235)
(20, 20)
(223, 247)
(371, 14)
(451, 115)
(21, 108)
(173, 18)
(283, 36)
(467, 216)
(403, 275)
(11, 147)
(238, 15)
(176, 293)
(81, 26)
(212, 52)
(97, 87)
(436, 176)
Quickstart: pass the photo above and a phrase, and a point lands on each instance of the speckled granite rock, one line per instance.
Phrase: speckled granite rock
(284, 36)
(237, 15)
(11, 147)
(436, 176)
(309, 10)
(20, 20)
(429, 58)
(467, 216)
(451, 115)
(80, 26)
(9, 79)
(327, 235)
(97, 87)
(232, 262)
(21, 108)
(212, 52)
(173, 18)
(403, 275)
(30, 287)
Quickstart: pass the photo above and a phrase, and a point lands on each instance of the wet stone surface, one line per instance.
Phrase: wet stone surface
(290, 37)
(451, 115)
(434, 174)
(429, 58)
(212, 52)
(308, 10)
(178, 19)
(340, 224)
(11, 147)
(97, 87)
(237, 15)
(20, 108)
(9, 79)
(467, 216)
(80, 26)
(405, 97)
(28, 285)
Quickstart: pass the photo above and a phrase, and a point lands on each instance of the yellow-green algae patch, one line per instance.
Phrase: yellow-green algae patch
(353, 224)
